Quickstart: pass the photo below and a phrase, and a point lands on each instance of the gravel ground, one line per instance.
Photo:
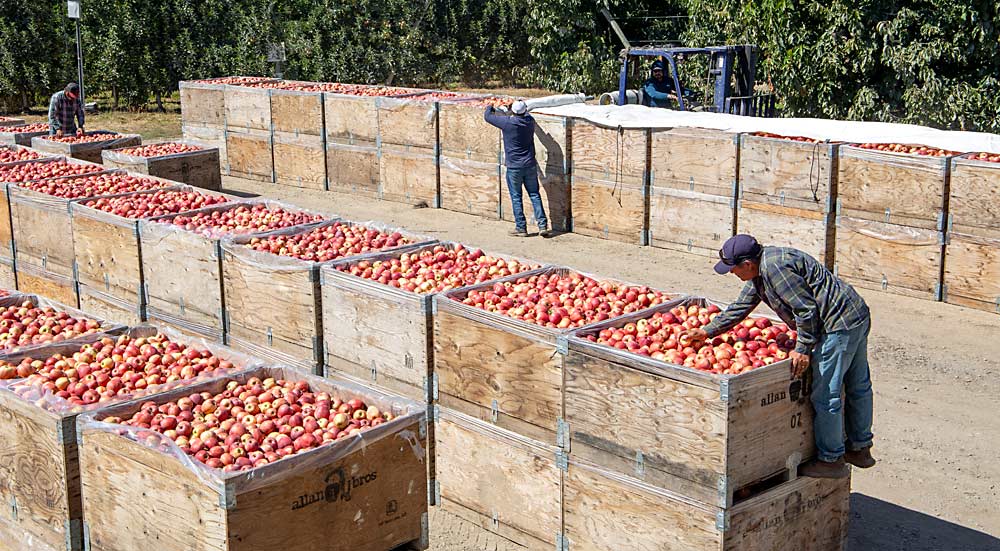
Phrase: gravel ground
(937, 486)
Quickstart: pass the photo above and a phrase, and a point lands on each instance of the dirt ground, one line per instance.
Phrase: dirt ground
(937, 486)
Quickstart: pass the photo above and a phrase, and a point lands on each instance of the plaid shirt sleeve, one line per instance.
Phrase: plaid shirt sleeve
(54, 123)
(799, 297)
(735, 312)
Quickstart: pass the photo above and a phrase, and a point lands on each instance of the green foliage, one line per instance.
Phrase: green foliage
(919, 61)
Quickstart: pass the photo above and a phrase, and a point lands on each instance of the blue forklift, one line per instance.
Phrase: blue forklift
(731, 69)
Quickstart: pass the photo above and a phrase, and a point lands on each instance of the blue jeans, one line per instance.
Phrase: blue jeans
(840, 362)
(528, 177)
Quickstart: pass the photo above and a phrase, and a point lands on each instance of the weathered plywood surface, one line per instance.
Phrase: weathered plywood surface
(353, 169)
(43, 235)
(408, 122)
(553, 142)
(299, 160)
(297, 112)
(282, 306)
(248, 108)
(689, 221)
(215, 137)
(609, 209)
(972, 272)
(183, 275)
(150, 492)
(807, 513)
(478, 365)
(107, 254)
(974, 206)
(376, 337)
(788, 172)
(56, 287)
(350, 119)
(610, 154)
(6, 225)
(811, 231)
(38, 473)
(554, 187)
(694, 159)
(497, 474)
(197, 168)
(897, 259)
(895, 188)
(679, 429)
(8, 277)
(203, 105)
(126, 310)
(470, 186)
(249, 155)
(464, 132)
(408, 176)
(604, 512)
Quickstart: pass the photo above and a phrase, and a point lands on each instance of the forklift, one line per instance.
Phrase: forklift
(731, 69)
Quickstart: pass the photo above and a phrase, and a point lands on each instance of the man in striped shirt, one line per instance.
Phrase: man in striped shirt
(832, 321)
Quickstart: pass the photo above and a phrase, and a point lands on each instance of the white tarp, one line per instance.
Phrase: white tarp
(638, 116)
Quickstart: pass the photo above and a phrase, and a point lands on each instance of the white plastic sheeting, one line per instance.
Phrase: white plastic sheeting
(638, 116)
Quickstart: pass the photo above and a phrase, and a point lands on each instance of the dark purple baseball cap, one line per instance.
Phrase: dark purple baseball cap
(736, 249)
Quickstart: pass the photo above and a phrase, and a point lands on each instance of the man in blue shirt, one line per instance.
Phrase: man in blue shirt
(832, 321)
(658, 90)
(522, 168)
(63, 108)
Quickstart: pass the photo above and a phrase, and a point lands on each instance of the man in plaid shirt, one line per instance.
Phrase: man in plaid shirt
(832, 321)
(63, 108)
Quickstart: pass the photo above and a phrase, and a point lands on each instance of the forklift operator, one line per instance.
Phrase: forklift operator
(658, 91)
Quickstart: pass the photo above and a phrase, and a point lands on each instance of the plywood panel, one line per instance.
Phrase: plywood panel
(249, 155)
(689, 221)
(353, 169)
(974, 206)
(694, 159)
(297, 112)
(807, 230)
(897, 259)
(470, 186)
(610, 154)
(408, 121)
(350, 119)
(788, 173)
(202, 105)
(896, 188)
(972, 272)
(609, 209)
(409, 176)
(107, 254)
(248, 108)
(464, 132)
(299, 160)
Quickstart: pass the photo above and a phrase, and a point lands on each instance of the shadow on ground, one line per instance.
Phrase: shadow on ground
(883, 526)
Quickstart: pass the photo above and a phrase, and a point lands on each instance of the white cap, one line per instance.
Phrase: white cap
(519, 107)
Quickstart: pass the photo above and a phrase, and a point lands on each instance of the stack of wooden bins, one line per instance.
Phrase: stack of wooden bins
(666, 457)
(362, 492)
(109, 259)
(11, 121)
(351, 144)
(972, 253)
(553, 145)
(500, 426)
(198, 168)
(610, 197)
(88, 151)
(22, 135)
(693, 185)
(288, 330)
(408, 150)
(470, 159)
(299, 136)
(788, 191)
(183, 271)
(381, 335)
(249, 151)
(891, 210)
(42, 470)
(203, 111)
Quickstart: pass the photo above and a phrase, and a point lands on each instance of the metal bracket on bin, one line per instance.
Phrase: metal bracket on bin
(74, 533)
(374, 372)
(562, 344)
(227, 497)
(888, 214)
(723, 486)
(270, 336)
(494, 411)
(885, 282)
(13, 508)
(562, 460)
(180, 304)
(640, 464)
(433, 492)
(724, 390)
(722, 521)
(431, 387)
(86, 536)
(562, 433)
(495, 521)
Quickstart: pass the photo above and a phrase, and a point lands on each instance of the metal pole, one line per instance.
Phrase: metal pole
(79, 62)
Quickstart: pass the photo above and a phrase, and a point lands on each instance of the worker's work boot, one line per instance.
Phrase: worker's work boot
(518, 233)
(823, 469)
(546, 233)
(861, 459)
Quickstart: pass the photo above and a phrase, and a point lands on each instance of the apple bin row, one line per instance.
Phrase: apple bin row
(415, 325)
(198, 446)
